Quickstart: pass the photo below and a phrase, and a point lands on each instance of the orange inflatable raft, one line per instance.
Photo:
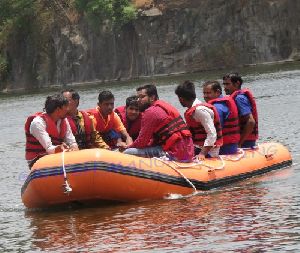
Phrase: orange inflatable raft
(98, 174)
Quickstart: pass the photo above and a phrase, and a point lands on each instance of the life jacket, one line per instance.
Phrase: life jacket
(133, 128)
(231, 128)
(100, 126)
(33, 147)
(83, 141)
(198, 131)
(107, 131)
(254, 135)
(172, 129)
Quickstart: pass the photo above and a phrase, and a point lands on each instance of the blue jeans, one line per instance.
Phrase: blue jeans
(249, 144)
(228, 149)
(155, 151)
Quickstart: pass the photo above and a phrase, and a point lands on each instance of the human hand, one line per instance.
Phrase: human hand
(200, 157)
(61, 148)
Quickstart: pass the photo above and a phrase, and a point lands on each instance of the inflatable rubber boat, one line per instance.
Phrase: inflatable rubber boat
(95, 175)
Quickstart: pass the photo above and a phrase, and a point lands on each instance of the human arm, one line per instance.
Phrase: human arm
(246, 116)
(248, 127)
(38, 130)
(204, 116)
(70, 138)
(96, 138)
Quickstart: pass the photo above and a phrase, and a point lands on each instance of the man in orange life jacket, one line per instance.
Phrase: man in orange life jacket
(203, 121)
(247, 110)
(109, 124)
(82, 124)
(131, 116)
(228, 114)
(49, 132)
(163, 131)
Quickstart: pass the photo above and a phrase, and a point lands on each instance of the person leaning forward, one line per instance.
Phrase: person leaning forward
(109, 124)
(49, 132)
(163, 131)
(203, 121)
(82, 124)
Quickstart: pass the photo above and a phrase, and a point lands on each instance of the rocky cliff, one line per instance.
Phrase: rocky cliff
(168, 37)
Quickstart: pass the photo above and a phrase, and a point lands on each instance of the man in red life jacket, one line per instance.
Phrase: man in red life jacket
(109, 124)
(49, 132)
(163, 131)
(203, 121)
(228, 114)
(82, 124)
(247, 110)
(131, 116)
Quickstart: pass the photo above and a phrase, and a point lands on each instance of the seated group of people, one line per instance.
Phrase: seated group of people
(147, 126)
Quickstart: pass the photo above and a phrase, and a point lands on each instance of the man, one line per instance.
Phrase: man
(130, 116)
(246, 106)
(163, 131)
(82, 124)
(109, 124)
(49, 132)
(228, 114)
(203, 121)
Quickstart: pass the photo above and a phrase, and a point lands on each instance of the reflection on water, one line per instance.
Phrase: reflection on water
(257, 215)
(221, 220)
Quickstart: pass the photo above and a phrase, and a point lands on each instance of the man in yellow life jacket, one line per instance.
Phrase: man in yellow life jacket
(82, 124)
(49, 132)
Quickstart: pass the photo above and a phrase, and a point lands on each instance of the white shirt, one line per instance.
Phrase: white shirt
(205, 116)
(38, 130)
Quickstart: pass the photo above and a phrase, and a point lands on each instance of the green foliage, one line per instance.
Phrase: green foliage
(118, 12)
(13, 15)
(3, 68)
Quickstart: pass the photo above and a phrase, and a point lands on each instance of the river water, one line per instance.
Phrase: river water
(257, 215)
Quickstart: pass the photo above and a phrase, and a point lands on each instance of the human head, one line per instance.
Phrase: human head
(132, 108)
(147, 95)
(232, 82)
(106, 102)
(73, 98)
(186, 93)
(211, 90)
(57, 104)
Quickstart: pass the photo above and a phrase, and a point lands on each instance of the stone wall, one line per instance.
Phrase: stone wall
(168, 37)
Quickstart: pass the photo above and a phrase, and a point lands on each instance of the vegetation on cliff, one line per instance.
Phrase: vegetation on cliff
(32, 20)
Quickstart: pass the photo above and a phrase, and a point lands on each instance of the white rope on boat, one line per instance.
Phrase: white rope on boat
(211, 168)
(235, 158)
(180, 173)
(67, 187)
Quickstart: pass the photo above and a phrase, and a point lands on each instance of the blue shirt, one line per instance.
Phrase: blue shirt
(223, 111)
(243, 105)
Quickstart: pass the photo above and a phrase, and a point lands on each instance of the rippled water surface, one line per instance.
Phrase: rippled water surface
(257, 215)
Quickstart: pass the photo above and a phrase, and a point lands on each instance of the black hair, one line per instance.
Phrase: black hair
(105, 95)
(215, 85)
(234, 77)
(74, 94)
(150, 90)
(186, 90)
(132, 101)
(55, 101)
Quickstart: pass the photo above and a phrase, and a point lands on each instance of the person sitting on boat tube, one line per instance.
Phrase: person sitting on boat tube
(49, 132)
(228, 114)
(246, 106)
(131, 116)
(163, 131)
(109, 124)
(82, 124)
(203, 121)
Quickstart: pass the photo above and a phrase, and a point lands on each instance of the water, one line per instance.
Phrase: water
(257, 215)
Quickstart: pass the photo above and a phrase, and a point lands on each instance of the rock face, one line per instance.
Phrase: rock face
(168, 37)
